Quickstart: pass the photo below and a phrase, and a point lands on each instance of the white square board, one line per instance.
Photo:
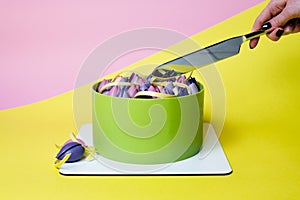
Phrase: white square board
(211, 160)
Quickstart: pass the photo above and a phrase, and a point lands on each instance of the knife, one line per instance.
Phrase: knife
(205, 56)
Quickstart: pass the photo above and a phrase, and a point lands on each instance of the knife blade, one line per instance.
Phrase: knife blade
(203, 57)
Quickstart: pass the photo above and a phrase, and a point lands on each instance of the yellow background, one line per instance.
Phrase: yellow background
(260, 135)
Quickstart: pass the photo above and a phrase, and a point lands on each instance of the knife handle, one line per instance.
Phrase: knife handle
(252, 35)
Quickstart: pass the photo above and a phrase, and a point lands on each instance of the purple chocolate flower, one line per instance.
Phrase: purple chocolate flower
(114, 91)
(151, 88)
(194, 88)
(169, 88)
(144, 87)
(75, 149)
(122, 90)
(182, 91)
(125, 94)
(132, 91)
(124, 79)
(104, 82)
(181, 79)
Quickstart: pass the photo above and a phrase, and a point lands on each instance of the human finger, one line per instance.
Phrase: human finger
(276, 34)
(253, 43)
(271, 10)
(292, 26)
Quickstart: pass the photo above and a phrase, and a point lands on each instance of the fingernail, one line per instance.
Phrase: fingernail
(266, 26)
(279, 33)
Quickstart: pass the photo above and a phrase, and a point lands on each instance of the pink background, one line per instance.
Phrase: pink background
(43, 43)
